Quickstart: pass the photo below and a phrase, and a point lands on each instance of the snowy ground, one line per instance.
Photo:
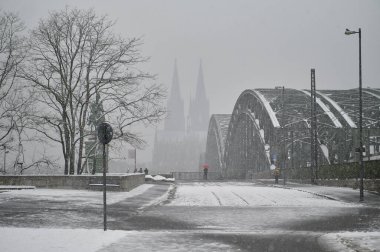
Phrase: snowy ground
(352, 241)
(89, 240)
(43, 239)
(211, 216)
(75, 197)
(245, 195)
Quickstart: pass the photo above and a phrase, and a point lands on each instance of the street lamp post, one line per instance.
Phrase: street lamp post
(360, 149)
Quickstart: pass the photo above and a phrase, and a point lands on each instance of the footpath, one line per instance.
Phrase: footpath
(345, 194)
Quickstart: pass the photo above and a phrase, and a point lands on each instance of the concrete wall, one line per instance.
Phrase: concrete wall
(124, 182)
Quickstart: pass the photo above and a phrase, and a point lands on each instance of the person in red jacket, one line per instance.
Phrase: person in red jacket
(205, 171)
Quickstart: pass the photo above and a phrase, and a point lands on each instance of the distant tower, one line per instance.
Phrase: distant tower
(176, 115)
(199, 106)
(176, 150)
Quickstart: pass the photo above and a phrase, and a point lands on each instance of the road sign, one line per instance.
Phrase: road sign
(105, 133)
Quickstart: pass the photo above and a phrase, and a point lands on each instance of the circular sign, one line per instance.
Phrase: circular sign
(105, 133)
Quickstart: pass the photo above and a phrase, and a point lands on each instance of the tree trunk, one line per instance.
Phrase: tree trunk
(72, 154)
(66, 172)
(80, 151)
(82, 123)
(66, 143)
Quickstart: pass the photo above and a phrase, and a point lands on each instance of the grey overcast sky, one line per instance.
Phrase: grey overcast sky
(242, 43)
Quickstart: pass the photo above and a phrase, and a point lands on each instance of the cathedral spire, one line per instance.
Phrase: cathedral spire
(176, 116)
(200, 91)
(175, 90)
(199, 107)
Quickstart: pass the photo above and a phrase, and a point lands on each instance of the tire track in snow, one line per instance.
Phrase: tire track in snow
(266, 198)
(240, 197)
(220, 203)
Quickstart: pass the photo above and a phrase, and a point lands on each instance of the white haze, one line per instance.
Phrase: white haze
(243, 43)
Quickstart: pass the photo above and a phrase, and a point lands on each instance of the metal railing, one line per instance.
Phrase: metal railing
(196, 176)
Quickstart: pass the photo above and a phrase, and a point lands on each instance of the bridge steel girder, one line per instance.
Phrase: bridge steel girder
(252, 130)
(255, 133)
(344, 104)
(247, 153)
(216, 136)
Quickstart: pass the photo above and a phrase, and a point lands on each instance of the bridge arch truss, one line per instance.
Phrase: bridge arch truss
(267, 126)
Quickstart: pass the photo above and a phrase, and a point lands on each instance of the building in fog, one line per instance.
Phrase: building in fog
(181, 144)
(199, 109)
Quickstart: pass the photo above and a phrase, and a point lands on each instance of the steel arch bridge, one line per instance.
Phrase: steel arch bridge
(268, 125)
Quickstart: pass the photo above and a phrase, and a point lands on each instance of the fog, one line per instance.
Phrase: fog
(242, 44)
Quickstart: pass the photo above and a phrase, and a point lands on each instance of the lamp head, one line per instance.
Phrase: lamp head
(348, 32)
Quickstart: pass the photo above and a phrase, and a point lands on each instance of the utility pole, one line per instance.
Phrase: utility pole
(361, 119)
(283, 136)
(368, 148)
(313, 130)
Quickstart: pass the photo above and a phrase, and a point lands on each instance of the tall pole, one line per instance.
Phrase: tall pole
(315, 134)
(104, 189)
(360, 149)
(105, 136)
(313, 130)
(361, 119)
(368, 150)
(284, 136)
(135, 159)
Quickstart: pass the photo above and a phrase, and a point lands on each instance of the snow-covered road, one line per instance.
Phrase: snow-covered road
(239, 194)
(197, 216)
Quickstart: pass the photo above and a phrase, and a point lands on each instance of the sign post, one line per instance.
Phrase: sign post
(105, 134)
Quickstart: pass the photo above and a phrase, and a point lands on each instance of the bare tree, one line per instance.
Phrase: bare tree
(12, 48)
(14, 99)
(76, 60)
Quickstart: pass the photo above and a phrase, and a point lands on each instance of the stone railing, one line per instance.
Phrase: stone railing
(118, 182)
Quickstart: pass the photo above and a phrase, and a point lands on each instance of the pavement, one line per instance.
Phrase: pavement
(345, 194)
(156, 219)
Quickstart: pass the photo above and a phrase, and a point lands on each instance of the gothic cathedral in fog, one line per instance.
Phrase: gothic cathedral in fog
(180, 146)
